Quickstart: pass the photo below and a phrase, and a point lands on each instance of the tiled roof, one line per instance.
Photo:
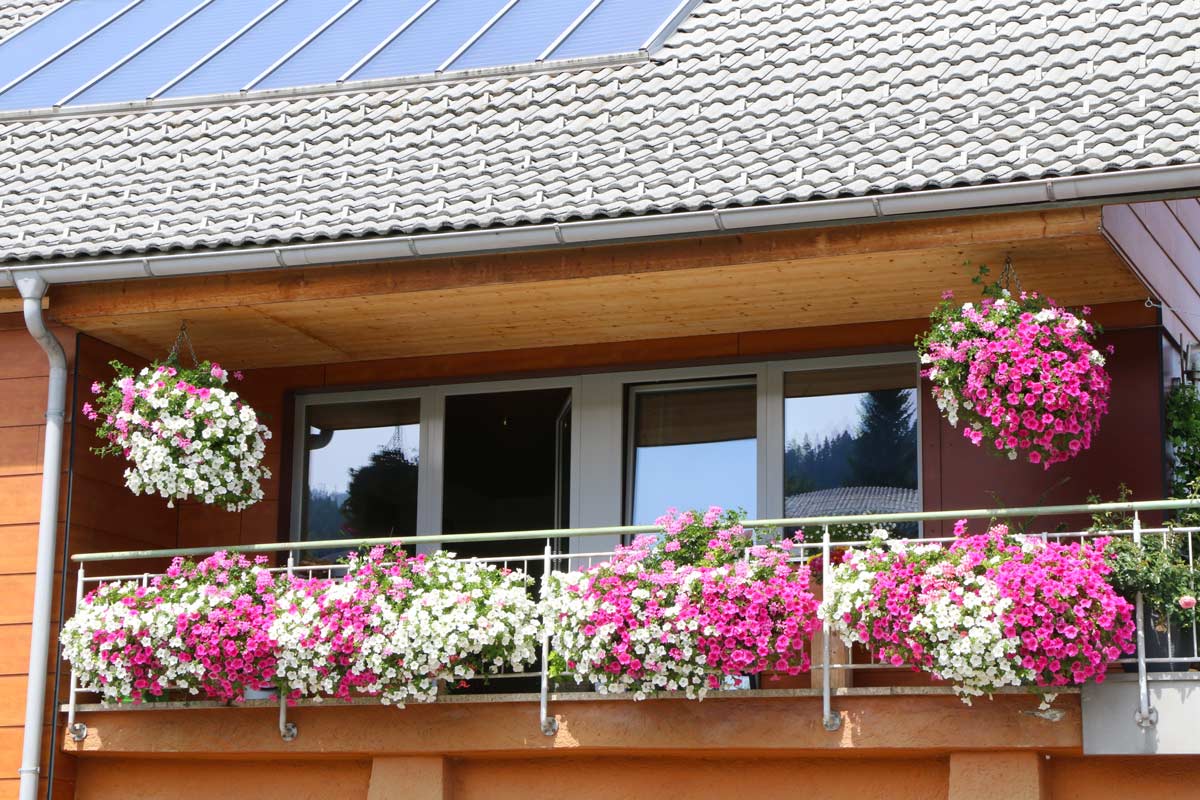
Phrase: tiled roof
(16, 14)
(853, 500)
(750, 102)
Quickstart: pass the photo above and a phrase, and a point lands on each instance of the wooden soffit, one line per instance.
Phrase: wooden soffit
(689, 287)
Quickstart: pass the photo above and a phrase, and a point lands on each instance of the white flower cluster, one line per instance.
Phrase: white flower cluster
(959, 623)
(462, 619)
(204, 444)
(662, 638)
(969, 647)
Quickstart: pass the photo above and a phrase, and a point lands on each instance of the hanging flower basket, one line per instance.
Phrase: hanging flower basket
(1021, 372)
(184, 434)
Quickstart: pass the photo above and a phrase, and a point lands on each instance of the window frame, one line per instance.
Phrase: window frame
(601, 423)
(776, 374)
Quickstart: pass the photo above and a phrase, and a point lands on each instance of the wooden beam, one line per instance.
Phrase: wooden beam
(363, 280)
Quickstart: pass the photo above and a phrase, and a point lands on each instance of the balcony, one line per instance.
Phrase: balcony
(843, 697)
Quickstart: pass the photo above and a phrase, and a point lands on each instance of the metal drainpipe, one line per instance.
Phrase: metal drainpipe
(33, 289)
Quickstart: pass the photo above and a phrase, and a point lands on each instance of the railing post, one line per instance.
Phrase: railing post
(549, 723)
(287, 730)
(831, 721)
(1146, 717)
(78, 730)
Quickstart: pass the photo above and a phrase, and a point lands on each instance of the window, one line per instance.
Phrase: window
(798, 438)
(692, 445)
(850, 441)
(360, 469)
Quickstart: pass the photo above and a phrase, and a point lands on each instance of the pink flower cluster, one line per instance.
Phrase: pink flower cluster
(228, 634)
(1025, 612)
(1022, 372)
(685, 610)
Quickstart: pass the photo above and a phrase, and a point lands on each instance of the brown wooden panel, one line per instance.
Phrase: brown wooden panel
(16, 598)
(709, 300)
(14, 649)
(524, 361)
(203, 525)
(103, 507)
(24, 402)
(20, 450)
(351, 280)
(24, 357)
(19, 553)
(20, 498)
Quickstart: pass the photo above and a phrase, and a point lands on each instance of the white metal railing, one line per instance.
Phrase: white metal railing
(550, 561)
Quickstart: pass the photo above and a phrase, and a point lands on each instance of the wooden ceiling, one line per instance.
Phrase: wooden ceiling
(765, 281)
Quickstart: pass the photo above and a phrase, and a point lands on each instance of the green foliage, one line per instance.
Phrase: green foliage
(1158, 567)
(1183, 433)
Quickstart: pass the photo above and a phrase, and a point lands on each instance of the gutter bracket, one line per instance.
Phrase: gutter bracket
(279, 258)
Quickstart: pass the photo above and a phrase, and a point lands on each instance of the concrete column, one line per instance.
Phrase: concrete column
(996, 776)
(409, 778)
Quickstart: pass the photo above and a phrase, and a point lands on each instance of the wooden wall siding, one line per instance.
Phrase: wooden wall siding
(23, 384)
(1161, 241)
(621, 293)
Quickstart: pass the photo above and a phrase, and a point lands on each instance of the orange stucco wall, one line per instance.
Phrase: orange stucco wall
(625, 778)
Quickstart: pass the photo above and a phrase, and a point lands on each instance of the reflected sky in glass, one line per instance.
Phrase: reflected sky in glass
(697, 476)
(329, 468)
(820, 417)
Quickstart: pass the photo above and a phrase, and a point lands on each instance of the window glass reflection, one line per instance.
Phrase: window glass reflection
(851, 442)
(361, 470)
(693, 446)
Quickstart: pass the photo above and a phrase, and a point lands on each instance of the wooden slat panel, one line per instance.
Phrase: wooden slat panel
(352, 280)
(1155, 267)
(714, 300)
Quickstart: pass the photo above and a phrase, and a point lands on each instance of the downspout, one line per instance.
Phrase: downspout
(32, 290)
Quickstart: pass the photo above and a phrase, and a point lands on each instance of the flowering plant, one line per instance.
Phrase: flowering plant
(392, 627)
(985, 612)
(201, 627)
(1023, 373)
(682, 611)
(183, 432)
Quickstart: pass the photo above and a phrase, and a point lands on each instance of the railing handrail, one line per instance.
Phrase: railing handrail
(615, 530)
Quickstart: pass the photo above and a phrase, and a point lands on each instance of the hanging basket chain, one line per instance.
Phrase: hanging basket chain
(182, 338)
(1009, 277)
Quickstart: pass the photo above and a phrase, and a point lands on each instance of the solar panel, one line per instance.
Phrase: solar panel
(114, 51)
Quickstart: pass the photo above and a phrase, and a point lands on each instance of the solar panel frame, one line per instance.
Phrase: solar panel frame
(326, 58)
(233, 37)
(300, 45)
(69, 46)
(475, 37)
(391, 37)
(134, 53)
(66, 70)
(443, 36)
